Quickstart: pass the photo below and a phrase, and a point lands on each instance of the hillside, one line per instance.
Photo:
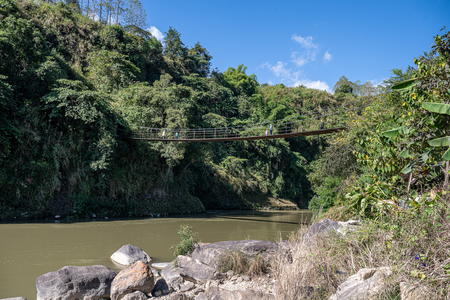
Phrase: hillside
(70, 89)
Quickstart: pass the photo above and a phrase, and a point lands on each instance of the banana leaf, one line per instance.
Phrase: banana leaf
(439, 108)
(405, 84)
(446, 155)
(440, 142)
(396, 131)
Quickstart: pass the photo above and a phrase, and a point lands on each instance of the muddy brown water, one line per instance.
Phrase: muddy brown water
(28, 250)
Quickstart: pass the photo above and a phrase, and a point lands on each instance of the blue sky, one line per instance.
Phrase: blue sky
(312, 43)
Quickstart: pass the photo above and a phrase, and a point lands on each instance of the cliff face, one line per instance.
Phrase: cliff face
(71, 88)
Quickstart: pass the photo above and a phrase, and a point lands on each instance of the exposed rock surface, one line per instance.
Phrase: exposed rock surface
(324, 226)
(172, 276)
(138, 295)
(196, 271)
(412, 291)
(14, 298)
(179, 296)
(70, 283)
(137, 277)
(366, 284)
(160, 266)
(349, 226)
(129, 254)
(215, 293)
(154, 272)
(211, 254)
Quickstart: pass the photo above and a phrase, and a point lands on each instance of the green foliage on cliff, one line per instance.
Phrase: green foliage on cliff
(71, 88)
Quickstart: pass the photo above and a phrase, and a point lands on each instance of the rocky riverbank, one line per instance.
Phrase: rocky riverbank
(247, 269)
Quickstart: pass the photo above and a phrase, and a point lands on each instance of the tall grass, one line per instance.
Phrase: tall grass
(415, 245)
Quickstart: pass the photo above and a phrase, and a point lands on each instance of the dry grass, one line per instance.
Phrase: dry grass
(240, 264)
(415, 245)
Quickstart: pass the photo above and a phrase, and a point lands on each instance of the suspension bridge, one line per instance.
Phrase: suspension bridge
(301, 125)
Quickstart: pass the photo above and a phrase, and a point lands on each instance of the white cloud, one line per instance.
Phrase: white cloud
(306, 42)
(319, 85)
(280, 71)
(156, 33)
(310, 50)
(327, 57)
(299, 61)
(291, 78)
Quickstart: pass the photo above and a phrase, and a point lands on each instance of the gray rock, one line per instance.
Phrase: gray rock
(215, 293)
(155, 272)
(196, 271)
(14, 298)
(179, 296)
(160, 266)
(324, 226)
(161, 288)
(129, 254)
(212, 253)
(349, 226)
(70, 283)
(138, 295)
(366, 284)
(187, 286)
(172, 276)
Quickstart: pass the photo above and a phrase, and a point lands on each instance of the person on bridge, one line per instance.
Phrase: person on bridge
(271, 129)
(176, 135)
(267, 132)
(322, 125)
(164, 134)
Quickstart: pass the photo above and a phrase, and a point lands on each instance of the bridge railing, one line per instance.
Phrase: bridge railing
(309, 122)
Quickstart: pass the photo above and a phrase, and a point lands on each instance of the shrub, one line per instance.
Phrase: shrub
(326, 194)
(189, 239)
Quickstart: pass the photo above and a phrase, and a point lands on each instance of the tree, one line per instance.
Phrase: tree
(135, 14)
(343, 86)
(240, 82)
(201, 60)
(173, 44)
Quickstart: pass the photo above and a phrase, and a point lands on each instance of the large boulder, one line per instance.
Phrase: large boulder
(215, 293)
(129, 254)
(172, 276)
(211, 254)
(137, 277)
(366, 284)
(196, 271)
(324, 226)
(70, 283)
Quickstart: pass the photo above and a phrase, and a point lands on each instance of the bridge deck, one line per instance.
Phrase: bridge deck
(244, 138)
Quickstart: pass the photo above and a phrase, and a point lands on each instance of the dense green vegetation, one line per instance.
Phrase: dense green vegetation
(71, 88)
(397, 148)
(391, 168)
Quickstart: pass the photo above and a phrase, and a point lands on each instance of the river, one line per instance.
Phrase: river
(28, 250)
